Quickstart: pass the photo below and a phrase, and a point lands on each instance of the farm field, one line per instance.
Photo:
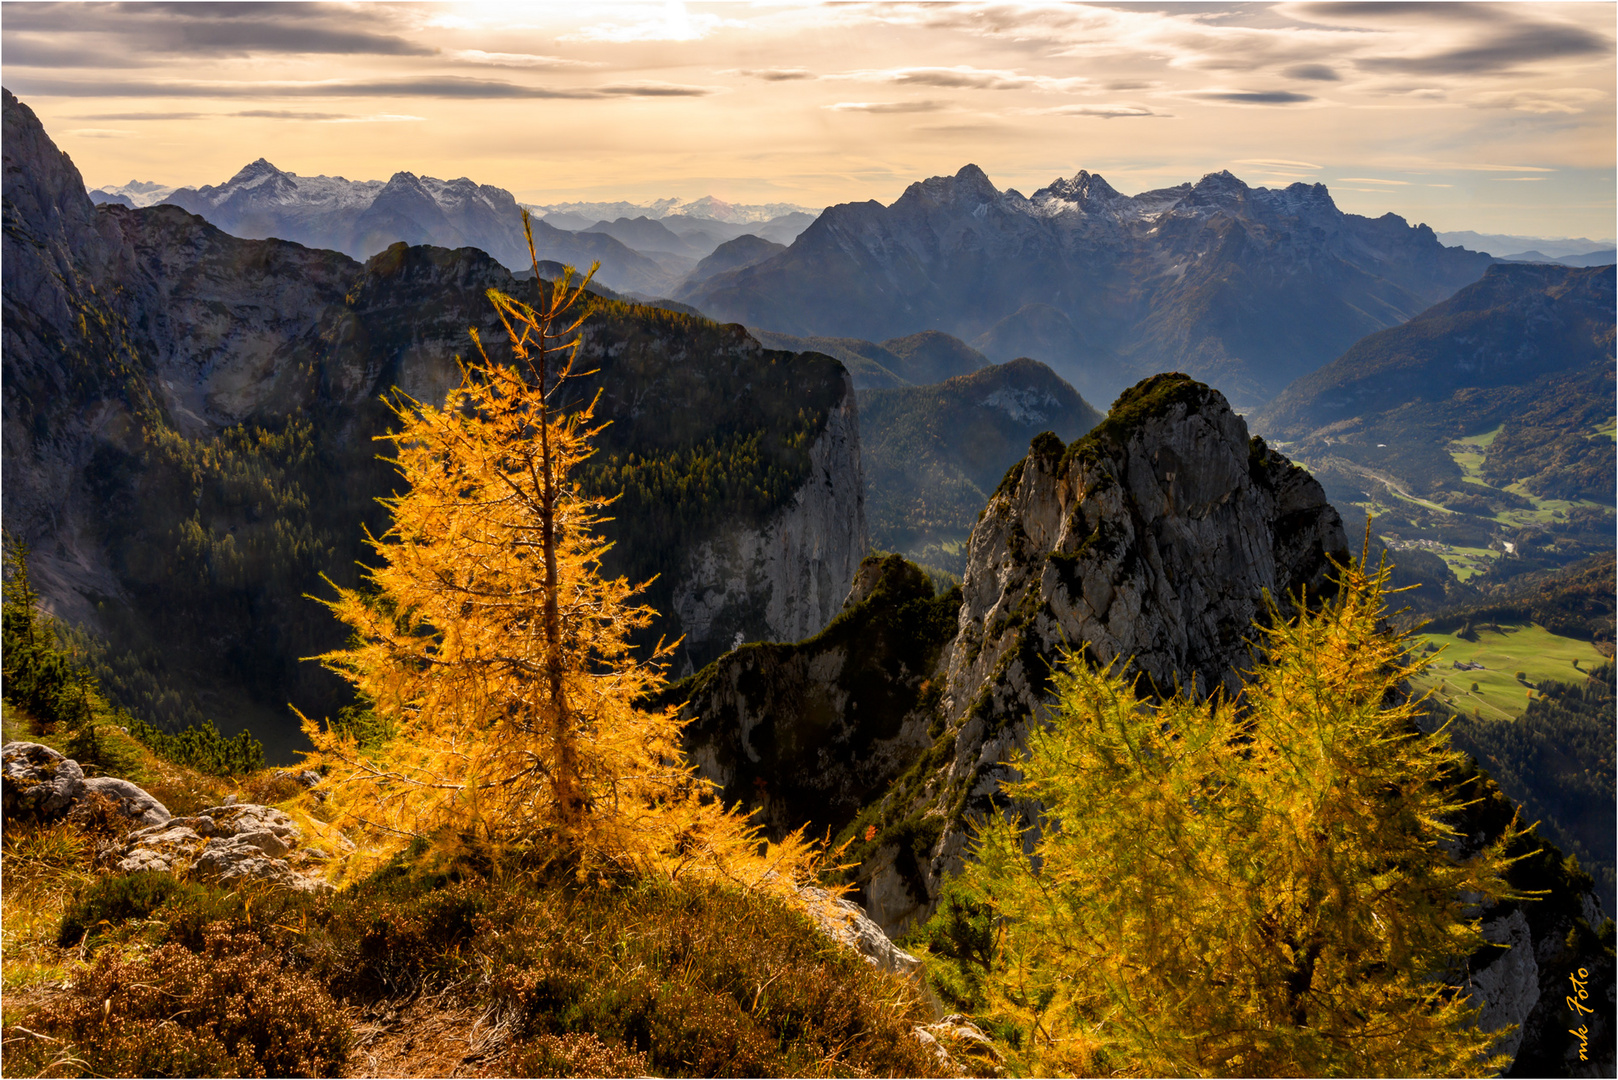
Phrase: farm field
(1532, 650)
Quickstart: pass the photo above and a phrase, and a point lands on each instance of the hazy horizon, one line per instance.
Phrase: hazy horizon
(1494, 118)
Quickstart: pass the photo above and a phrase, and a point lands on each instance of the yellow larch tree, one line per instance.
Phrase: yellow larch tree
(1252, 887)
(494, 655)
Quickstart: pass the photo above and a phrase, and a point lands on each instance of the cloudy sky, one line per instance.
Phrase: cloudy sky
(1494, 117)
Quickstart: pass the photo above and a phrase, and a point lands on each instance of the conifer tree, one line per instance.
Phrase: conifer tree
(494, 655)
(1255, 887)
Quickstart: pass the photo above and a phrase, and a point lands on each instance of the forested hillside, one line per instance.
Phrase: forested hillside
(1479, 431)
(933, 454)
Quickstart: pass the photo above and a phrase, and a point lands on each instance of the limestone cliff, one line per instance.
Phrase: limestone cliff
(785, 579)
(1154, 541)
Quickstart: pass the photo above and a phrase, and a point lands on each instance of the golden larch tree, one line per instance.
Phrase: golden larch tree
(493, 653)
(1251, 887)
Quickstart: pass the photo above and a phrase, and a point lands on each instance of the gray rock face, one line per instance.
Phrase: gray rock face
(846, 922)
(42, 783)
(135, 803)
(786, 580)
(1508, 989)
(238, 841)
(1153, 541)
(39, 782)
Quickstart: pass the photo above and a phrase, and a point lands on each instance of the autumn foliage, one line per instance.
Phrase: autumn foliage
(1266, 886)
(494, 654)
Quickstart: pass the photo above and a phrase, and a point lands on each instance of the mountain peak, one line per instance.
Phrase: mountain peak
(970, 185)
(1083, 187)
(254, 173)
(1223, 180)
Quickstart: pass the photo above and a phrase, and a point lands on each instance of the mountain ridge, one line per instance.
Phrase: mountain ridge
(1249, 287)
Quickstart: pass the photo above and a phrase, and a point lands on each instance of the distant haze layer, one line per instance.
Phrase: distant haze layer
(1490, 117)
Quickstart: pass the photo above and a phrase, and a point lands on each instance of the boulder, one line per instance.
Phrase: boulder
(135, 803)
(845, 921)
(237, 857)
(231, 842)
(38, 781)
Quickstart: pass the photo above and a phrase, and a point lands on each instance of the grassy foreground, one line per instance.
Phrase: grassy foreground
(447, 961)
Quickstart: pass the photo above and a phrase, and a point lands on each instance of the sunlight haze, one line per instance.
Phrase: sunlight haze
(1496, 117)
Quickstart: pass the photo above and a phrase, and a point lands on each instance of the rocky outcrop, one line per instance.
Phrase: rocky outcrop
(846, 922)
(784, 580)
(227, 843)
(39, 782)
(1548, 943)
(43, 784)
(133, 801)
(806, 734)
(1507, 989)
(1154, 542)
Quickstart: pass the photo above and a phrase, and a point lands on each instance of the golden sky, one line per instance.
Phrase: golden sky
(1494, 117)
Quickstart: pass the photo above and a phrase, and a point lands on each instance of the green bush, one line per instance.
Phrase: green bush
(202, 748)
(232, 1009)
(55, 684)
(111, 901)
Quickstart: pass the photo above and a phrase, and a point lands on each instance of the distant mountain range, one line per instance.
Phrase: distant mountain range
(1599, 257)
(706, 207)
(1503, 246)
(362, 217)
(1247, 288)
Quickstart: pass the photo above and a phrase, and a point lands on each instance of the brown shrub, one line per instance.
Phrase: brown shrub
(232, 1009)
(573, 1055)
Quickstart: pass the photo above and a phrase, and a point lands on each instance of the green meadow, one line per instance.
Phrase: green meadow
(1503, 652)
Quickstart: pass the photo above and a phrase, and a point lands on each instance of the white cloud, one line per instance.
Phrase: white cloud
(516, 60)
(1561, 99)
(882, 107)
(1104, 112)
(1277, 163)
(674, 23)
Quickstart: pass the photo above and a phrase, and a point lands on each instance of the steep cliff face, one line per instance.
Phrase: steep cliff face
(1152, 541)
(806, 734)
(784, 580)
(189, 422)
